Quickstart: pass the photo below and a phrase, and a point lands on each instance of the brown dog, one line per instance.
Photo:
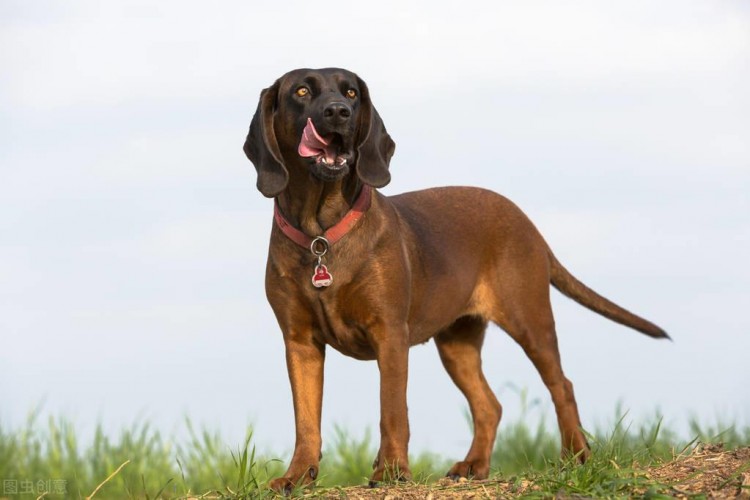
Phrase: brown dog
(372, 275)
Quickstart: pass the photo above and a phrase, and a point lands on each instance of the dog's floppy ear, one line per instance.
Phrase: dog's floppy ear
(374, 146)
(262, 148)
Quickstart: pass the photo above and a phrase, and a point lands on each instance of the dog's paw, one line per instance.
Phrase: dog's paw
(285, 485)
(389, 475)
(282, 485)
(471, 469)
(579, 453)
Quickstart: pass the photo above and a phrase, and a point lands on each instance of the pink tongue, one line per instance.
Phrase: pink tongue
(312, 144)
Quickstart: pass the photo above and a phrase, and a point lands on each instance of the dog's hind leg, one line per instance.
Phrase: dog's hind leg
(459, 346)
(526, 315)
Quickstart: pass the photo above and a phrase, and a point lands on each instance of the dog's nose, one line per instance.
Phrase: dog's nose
(337, 113)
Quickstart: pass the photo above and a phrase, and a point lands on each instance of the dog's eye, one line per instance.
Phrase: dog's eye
(351, 93)
(302, 91)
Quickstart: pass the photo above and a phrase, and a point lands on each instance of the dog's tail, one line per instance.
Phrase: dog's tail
(567, 284)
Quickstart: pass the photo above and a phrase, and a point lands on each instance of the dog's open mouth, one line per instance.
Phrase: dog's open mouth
(327, 151)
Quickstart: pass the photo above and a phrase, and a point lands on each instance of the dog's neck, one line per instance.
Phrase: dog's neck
(313, 205)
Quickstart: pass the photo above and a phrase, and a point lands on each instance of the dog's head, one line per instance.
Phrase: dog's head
(321, 120)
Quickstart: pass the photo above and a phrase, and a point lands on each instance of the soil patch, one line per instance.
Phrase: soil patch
(707, 470)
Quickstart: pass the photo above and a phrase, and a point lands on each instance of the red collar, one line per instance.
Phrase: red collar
(332, 234)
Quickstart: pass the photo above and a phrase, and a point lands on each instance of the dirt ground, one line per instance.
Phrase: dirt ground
(708, 470)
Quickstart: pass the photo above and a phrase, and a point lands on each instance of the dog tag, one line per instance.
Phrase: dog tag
(321, 277)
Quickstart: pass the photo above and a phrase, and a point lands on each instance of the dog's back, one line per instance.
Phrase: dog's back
(475, 241)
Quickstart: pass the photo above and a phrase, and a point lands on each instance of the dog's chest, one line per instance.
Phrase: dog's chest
(341, 324)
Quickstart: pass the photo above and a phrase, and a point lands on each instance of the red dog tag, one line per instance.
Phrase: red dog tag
(321, 277)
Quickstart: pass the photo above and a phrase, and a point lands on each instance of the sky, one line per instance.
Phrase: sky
(133, 240)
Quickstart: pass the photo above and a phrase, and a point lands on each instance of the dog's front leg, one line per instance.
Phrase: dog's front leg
(392, 462)
(304, 361)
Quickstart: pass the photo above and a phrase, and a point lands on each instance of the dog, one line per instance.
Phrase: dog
(372, 275)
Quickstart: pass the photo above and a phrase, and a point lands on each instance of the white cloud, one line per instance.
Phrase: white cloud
(222, 237)
(129, 212)
(107, 54)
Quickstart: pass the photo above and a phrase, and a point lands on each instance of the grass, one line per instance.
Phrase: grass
(142, 464)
